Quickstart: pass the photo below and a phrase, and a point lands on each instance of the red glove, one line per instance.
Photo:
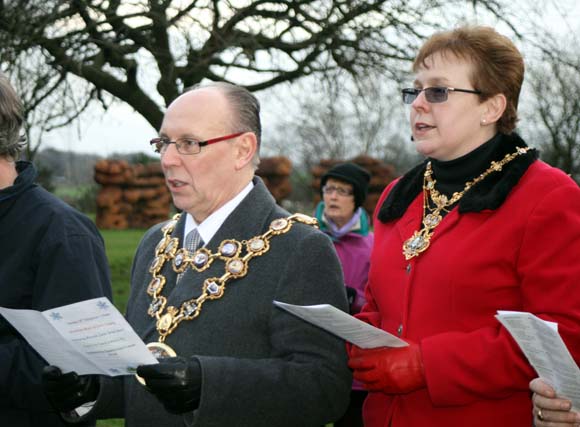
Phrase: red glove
(388, 370)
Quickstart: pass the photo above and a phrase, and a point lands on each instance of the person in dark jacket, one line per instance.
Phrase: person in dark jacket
(51, 255)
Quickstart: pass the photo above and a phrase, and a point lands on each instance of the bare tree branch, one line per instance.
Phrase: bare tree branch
(144, 52)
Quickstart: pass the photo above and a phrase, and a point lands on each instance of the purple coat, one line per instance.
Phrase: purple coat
(353, 249)
(354, 252)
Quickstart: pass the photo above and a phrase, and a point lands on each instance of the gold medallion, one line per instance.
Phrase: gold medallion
(160, 351)
(416, 244)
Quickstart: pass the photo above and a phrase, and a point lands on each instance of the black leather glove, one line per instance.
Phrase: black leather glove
(175, 381)
(66, 392)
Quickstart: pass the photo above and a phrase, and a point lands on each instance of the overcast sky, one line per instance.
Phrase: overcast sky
(122, 130)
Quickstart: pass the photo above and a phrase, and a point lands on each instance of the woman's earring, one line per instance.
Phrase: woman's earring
(483, 122)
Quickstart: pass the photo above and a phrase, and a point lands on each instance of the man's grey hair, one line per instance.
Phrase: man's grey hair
(12, 141)
(246, 108)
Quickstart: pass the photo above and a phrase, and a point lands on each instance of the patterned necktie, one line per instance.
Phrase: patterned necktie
(192, 240)
(192, 243)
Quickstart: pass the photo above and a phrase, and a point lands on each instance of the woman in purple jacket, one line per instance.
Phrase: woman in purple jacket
(341, 216)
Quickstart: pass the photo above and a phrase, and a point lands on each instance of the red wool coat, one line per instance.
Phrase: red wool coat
(521, 255)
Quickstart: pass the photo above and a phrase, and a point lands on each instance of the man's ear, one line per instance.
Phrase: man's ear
(494, 109)
(246, 147)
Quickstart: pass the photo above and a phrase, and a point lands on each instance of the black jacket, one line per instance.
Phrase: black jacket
(50, 255)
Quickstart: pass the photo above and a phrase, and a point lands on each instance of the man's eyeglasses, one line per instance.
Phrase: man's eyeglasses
(187, 146)
(328, 189)
(433, 94)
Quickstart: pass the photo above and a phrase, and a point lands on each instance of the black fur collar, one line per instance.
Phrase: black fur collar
(488, 194)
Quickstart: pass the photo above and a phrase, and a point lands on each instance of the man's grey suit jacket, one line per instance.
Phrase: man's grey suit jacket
(260, 365)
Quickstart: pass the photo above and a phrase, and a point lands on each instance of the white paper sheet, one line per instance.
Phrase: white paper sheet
(345, 326)
(546, 352)
(88, 337)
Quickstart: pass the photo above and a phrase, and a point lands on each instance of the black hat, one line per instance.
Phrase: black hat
(352, 174)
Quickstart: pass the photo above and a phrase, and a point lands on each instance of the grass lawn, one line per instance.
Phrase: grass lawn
(121, 246)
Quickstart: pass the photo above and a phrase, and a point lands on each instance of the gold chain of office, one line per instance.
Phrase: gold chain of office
(230, 251)
(421, 239)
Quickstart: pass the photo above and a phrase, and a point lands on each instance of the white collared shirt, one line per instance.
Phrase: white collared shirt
(212, 223)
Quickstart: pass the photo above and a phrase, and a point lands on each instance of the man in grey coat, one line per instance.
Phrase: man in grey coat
(203, 286)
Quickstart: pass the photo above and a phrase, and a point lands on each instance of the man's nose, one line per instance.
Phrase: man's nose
(170, 157)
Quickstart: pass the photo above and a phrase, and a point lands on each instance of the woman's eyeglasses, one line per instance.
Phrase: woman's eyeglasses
(433, 94)
(328, 189)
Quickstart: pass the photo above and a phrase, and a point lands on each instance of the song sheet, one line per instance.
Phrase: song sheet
(546, 352)
(88, 337)
(345, 326)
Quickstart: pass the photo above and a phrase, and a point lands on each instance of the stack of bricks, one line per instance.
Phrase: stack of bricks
(275, 172)
(131, 196)
(381, 175)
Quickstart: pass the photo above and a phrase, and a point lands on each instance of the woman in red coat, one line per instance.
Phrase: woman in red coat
(481, 225)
